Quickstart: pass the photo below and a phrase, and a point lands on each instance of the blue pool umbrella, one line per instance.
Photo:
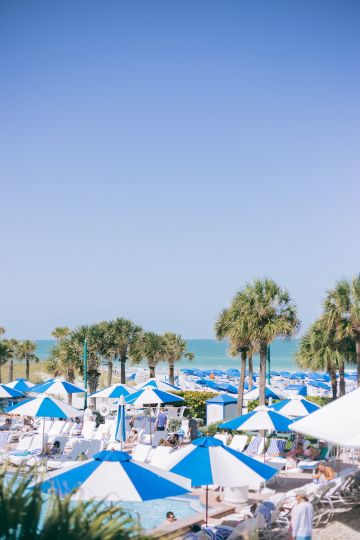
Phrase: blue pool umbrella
(232, 372)
(33, 388)
(299, 388)
(254, 394)
(319, 376)
(20, 384)
(228, 388)
(7, 392)
(259, 419)
(57, 387)
(285, 373)
(218, 372)
(114, 476)
(298, 375)
(275, 373)
(114, 392)
(120, 429)
(202, 382)
(151, 396)
(294, 407)
(319, 384)
(208, 461)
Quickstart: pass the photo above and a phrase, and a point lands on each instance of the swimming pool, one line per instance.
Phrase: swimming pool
(153, 513)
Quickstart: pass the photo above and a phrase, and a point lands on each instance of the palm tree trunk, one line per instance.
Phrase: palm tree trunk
(357, 347)
(332, 373)
(27, 368)
(240, 400)
(93, 381)
(152, 371)
(171, 372)
(109, 372)
(251, 371)
(11, 369)
(0, 375)
(342, 378)
(262, 375)
(122, 369)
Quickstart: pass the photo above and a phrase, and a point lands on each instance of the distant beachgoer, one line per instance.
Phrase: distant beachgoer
(193, 428)
(52, 449)
(132, 437)
(27, 427)
(6, 425)
(170, 517)
(132, 422)
(325, 474)
(89, 414)
(161, 420)
(301, 518)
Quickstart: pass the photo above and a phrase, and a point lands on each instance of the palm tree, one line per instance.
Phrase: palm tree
(25, 350)
(5, 354)
(64, 361)
(152, 347)
(267, 311)
(13, 344)
(61, 332)
(125, 335)
(342, 306)
(175, 349)
(2, 330)
(93, 335)
(232, 326)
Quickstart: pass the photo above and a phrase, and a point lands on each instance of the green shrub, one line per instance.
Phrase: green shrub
(174, 425)
(319, 400)
(211, 429)
(196, 402)
(22, 515)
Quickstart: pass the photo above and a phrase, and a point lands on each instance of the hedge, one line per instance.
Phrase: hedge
(196, 402)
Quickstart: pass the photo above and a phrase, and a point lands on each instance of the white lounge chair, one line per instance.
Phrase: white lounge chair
(72, 450)
(94, 447)
(238, 442)
(157, 436)
(158, 456)
(88, 430)
(56, 428)
(221, 437)
(141, 452)
(35, 449)
(276, 447)
(256, 446)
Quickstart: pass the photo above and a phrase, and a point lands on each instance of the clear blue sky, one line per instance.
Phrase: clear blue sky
(157, 155)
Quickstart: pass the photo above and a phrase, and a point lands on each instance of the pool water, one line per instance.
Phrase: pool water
(153, 513)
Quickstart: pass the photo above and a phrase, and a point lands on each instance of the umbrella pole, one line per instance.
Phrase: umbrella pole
(207, 505)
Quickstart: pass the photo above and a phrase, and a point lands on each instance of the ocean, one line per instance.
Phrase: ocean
(212, 354)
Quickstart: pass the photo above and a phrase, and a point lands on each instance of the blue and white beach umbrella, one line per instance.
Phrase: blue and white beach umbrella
(45, 407)
(120, 424)
(151, 396)
(56, 387)
(114, 392)
(7, 392)
(259, 419)
(114, 476)
(20, 384)
(208, 461)
(294, 407)
(160, 385)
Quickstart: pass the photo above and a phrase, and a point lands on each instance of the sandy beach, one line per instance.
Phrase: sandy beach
(346, 526)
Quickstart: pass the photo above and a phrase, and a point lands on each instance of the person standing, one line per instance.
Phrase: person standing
(193, 428)
(161, 420)
(302, 518)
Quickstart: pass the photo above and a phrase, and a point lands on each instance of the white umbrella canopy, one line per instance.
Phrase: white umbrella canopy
(151, 396)
(45, 407)
(57, 387)
(114, 392)
(160, 385)
(337, 423)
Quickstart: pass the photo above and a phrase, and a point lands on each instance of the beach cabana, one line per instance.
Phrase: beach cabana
(337, 423)
(220, 408)
(114, 476)
(294, 407)
(208, 461)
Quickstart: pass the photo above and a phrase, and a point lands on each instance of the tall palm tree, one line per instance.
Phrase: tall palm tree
(61, 332)
(5, 354)
(342, 306)
(232, 326)
(152, 348)
(25, 350)
(93, 335)
(125, 335)
(268, 313)
(175, 349)
(64, 361)
(13, 344)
